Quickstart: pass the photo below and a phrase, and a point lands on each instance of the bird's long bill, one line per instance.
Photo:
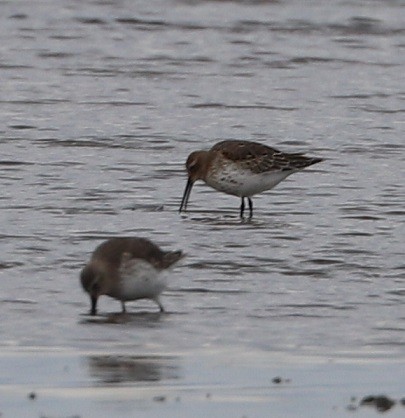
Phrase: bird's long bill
(93, 309)
(186, 194)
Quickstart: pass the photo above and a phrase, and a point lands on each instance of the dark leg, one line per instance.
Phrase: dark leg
(161, 308)
(93, 309)
(242, 207)
(123, 307)
(250, 207)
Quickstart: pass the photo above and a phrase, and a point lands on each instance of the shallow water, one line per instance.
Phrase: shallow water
(102, 101)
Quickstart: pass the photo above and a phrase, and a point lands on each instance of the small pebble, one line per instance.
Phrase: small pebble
(382, 403)
(32, 396)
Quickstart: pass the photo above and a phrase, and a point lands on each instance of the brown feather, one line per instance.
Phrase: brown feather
(260, 158)
(111, 252)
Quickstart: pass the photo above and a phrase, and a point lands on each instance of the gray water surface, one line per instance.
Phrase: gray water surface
(100, 104)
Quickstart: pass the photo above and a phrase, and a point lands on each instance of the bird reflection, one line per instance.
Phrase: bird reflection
(124, 369)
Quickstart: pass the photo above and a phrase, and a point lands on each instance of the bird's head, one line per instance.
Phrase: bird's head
(196, 166)
(94, 282)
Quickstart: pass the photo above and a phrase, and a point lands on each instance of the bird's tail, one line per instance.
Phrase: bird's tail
(313, 160)
(299, 161)
(171, 258)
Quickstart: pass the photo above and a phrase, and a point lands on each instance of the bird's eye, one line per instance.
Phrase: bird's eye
(192, 166)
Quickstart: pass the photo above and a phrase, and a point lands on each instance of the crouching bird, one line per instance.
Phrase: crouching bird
(127, 269)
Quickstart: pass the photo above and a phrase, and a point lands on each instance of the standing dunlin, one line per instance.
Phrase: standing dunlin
(242, 168)
(127, 269)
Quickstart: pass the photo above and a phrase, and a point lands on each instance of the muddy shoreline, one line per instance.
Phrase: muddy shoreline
(60, 383)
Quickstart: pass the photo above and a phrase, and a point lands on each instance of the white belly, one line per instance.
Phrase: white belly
(140, 280)
(244, 183)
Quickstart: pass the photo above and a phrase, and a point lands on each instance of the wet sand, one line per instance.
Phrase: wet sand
(212, 382)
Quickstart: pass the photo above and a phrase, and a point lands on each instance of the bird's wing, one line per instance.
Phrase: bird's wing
(257, 157)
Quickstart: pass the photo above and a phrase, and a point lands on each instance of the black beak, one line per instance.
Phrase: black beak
(186, 194)
(93, 309)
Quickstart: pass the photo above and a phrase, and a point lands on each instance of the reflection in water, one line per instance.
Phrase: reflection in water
(121, 369)
(146, 319)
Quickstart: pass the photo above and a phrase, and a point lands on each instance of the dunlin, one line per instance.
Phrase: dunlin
(242, 168)
(127, 269)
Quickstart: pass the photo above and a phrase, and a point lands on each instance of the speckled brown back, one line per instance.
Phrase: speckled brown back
(260, 158)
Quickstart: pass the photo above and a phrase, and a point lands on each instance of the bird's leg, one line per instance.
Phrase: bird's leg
(242, 207)
(161, 308)
(250, 207)
(123, 307)
(93, 309)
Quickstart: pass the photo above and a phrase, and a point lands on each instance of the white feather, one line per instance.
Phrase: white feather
(140, 280)
(243, 183)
